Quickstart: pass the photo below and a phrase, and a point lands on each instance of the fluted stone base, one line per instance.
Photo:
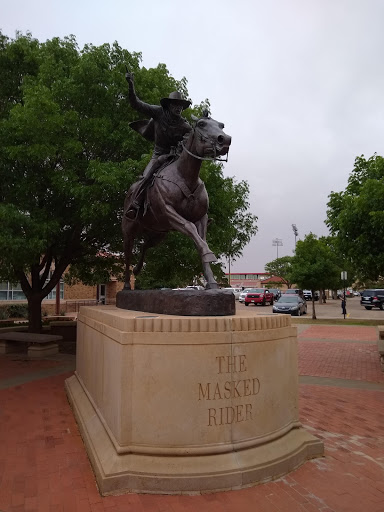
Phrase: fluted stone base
(173, 404)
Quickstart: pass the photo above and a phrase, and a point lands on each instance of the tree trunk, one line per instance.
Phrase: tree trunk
(34, 313)
(313, 305)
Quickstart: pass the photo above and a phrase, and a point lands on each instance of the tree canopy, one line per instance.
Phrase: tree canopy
(67, 158)
(356, 217)
(281, 267)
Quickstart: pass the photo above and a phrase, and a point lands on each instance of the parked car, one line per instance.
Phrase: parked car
(293, 291)
(276, 293)
(259, 296)
(308, 295)
(244, 293)
(372, 298)
(190, 288)
(291, 304)
(236, 291)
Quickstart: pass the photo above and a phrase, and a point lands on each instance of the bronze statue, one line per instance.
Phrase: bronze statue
(166, 128)
(177, 199)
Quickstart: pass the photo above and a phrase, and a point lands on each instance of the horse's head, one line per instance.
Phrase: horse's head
(209, 139)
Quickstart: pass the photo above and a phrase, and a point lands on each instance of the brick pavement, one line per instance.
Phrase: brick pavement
(15, 365)
(44, 467)
(338, 332)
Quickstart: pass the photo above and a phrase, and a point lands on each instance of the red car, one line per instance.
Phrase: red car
(259, 296)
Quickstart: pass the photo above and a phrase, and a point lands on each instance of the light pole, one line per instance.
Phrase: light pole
(295, 232)
(278, 243)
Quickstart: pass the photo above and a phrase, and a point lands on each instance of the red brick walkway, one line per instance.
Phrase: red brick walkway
(340, 360)
(338, 332)
(13, 367)
(44, 467)
(356, 361)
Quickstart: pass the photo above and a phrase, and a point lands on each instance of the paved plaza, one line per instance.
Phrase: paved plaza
(44, 466)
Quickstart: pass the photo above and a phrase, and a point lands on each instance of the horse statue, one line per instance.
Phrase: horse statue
(177, 200)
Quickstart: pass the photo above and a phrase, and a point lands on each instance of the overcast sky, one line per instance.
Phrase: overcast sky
(299, 85)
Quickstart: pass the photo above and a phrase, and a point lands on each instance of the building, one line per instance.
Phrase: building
(248, 280)
(255, 280)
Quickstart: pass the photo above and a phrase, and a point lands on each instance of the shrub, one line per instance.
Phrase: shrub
(17, 311)
(4, 313)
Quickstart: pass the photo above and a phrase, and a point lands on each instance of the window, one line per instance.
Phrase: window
(9, 291)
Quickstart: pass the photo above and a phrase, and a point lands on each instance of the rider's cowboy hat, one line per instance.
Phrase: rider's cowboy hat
(175, 97)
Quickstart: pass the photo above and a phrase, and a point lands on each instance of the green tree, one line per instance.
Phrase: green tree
(281, 267)
(314, 266)
(356, 217)
(343, 264)
(67, 158)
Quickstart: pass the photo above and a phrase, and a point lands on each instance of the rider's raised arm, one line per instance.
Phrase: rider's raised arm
(136, 103)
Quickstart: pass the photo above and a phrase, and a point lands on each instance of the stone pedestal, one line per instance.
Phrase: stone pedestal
(169, 404)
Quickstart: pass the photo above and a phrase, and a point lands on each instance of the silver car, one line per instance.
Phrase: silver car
(236, 291)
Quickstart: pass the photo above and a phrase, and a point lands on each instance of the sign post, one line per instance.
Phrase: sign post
(344, 303)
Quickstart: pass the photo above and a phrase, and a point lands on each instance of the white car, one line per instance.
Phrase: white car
(236, 291)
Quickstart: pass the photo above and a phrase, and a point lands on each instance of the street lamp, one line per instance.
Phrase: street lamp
(278, 243)
(295, 231)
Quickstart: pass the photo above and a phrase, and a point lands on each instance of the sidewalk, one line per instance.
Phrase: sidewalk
(44, 467)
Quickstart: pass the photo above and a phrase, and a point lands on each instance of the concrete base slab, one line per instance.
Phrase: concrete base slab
(178, 302)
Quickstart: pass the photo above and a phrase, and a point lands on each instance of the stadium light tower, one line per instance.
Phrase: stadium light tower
(295, 232)
(278, 243)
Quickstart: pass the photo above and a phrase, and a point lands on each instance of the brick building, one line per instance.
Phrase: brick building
(71, 297)
(255, 280)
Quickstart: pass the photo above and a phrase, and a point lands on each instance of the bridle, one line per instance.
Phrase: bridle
(204, 138)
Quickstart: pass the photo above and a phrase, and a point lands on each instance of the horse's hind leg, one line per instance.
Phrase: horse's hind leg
(151, 241)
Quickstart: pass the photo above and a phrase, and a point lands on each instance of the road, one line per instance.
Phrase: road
(332, 309)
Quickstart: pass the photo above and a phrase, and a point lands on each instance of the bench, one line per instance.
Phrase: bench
(380, 345)
(39, 345)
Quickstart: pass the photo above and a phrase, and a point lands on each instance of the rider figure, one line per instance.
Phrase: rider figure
(166, 128)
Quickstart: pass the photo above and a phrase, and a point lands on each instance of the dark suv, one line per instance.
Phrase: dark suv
(276, 293)
(372, 298)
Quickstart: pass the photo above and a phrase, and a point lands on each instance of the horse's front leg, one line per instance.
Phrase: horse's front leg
(178, 223)
(201, 226)
(129, 229)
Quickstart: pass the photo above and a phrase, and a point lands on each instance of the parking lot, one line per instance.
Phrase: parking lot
(332, 309)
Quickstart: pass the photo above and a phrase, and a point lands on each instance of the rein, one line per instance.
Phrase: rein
(204, 138)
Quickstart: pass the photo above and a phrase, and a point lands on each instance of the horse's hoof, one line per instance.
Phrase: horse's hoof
(209, 257)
